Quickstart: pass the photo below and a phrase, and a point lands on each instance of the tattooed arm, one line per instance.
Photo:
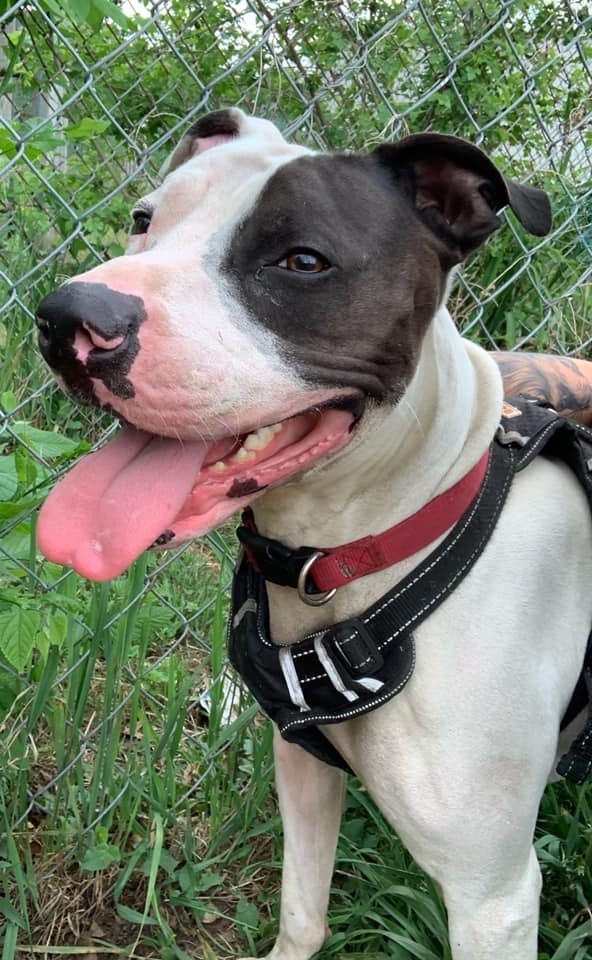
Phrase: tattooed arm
(560, 382)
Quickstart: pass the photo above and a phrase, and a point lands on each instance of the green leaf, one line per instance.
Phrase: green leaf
(192, 879)
(8, 477)
(42, 141)
(100, 857)
(10, 940)
(247, 914)
(79, 9)
(7, 147)
(45, 442)
(42, 646)
(17, 543)
(8, 400)
(26, 468)
(57, 627)
(8, 510)
(11, 914)
(18, 632)
(133, 916)
(101, 835)
(109, 9)
(166, 862)
(87, 129)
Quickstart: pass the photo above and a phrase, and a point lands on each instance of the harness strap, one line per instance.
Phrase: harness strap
(356, 665)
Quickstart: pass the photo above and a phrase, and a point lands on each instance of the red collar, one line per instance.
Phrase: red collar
(318, 572)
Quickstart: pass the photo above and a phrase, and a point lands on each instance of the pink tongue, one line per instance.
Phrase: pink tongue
(117, 501)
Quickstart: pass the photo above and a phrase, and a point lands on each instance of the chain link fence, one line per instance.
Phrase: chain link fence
(90, 107)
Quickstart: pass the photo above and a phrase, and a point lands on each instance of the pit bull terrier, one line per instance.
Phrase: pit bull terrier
(276, 334)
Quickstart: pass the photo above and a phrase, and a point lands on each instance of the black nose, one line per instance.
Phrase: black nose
(88, 330)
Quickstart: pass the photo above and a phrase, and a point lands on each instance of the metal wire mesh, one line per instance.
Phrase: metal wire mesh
(88, 113)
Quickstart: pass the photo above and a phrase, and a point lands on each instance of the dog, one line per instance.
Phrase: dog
(276, 335)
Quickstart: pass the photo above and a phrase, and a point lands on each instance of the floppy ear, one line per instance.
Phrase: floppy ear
(209, 131)
(457, 191)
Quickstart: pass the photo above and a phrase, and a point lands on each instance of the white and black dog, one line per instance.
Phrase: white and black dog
(277, 334)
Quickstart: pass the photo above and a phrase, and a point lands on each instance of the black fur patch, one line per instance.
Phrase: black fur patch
(218, 123)
(243, 488)
(360, 322)
(165, 537)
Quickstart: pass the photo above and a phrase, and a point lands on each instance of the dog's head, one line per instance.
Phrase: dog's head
(266, 295)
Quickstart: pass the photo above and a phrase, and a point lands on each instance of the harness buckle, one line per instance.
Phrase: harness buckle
(354, 649)
(312, 599)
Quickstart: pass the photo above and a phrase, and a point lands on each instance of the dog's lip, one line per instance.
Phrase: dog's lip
(227, 446)
(354, 402)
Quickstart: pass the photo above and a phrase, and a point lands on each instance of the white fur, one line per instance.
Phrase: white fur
(457, 762)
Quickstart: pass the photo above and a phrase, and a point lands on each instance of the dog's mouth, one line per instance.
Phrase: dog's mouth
(142, 490)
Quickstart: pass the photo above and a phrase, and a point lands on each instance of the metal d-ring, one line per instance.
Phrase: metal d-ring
(312, 599)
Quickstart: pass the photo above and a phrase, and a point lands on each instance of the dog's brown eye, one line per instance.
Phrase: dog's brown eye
(140, 221)
(304, 261)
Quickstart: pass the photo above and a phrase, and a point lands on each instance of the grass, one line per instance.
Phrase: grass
(152, 829)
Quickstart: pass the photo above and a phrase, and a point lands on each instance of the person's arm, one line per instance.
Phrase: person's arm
(562, 383)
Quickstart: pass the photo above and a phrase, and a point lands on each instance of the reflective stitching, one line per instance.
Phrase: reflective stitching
(539, 438)
(459, 572)
(354, 712)
(444, 553)
(357, 666)
(582, 428)
(517, 461)
(345, 640)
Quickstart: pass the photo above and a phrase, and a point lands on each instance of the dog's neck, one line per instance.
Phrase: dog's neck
(400, 459)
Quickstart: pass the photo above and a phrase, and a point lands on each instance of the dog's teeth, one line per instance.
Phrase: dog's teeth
(260, 438)
(218, 466)
(242, 455)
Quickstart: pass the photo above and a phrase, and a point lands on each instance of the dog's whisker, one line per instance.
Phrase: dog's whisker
(405, 403)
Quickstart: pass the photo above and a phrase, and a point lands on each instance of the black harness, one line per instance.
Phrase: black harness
(358, 664)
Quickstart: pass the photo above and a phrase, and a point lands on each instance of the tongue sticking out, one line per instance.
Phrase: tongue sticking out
(117, 501)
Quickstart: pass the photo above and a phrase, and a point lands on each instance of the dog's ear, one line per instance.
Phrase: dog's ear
(457, 191)
(210, 131)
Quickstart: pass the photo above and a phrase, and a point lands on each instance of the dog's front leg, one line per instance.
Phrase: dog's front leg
(503, 923)
(311, 801)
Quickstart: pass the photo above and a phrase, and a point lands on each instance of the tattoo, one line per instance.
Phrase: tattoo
(558, 382)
